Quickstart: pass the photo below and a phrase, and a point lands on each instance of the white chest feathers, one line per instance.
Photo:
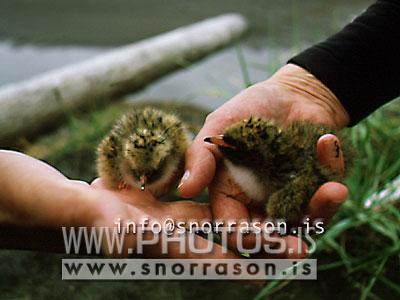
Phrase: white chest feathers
(248, 182)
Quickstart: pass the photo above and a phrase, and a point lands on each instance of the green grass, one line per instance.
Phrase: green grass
(244, 68)
(360, 251)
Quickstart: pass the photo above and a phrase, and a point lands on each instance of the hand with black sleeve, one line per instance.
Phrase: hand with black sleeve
(336, 82)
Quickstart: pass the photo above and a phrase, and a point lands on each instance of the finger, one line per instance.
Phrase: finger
(327, 200)
(114, 212)
(187, 210)
(199, 170)
(98, 183)
(229, 205)
(227, 209)
(81, 182)
(228, 202)
(230, 213)
(295, 248)
(133, 196)
(227, 199)
(329, 153)
(201, 158)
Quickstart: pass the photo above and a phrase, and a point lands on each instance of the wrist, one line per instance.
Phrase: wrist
(310, 88)
(66, 203)
(86, 201)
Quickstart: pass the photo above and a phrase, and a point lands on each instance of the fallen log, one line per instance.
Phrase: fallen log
(41, 103)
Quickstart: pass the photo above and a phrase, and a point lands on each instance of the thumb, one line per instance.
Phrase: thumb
(187, 210)
(201, 160)
(328, 198)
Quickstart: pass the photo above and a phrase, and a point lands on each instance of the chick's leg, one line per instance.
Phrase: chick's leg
(122, 185)
(289, 202)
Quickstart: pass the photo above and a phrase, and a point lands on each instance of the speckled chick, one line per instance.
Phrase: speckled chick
(145, 149)
(278, 166)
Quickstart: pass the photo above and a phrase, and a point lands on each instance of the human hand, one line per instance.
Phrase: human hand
(292, 94)
(133, 205)
(36, 198)
(230, 204)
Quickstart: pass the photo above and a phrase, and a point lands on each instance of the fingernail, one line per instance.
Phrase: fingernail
(184, 178)
(331, 153)
(336, 150)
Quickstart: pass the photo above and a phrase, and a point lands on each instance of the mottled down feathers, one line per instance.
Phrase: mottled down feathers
(272, 165)
(145, 148)
(282, 161)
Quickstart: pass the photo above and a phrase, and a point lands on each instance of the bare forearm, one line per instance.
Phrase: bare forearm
(26, 182)
(35, 201)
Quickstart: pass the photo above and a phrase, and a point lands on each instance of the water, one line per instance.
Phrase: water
(36, 36)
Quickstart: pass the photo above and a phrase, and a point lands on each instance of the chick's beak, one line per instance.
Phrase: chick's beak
(143, 180)
(219, 141)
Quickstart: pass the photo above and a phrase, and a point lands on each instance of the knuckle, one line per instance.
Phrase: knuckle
(210, 117)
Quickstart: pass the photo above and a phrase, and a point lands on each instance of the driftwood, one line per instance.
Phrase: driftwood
(35, 105)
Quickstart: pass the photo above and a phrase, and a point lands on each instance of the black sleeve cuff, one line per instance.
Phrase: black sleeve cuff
(361, 63)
